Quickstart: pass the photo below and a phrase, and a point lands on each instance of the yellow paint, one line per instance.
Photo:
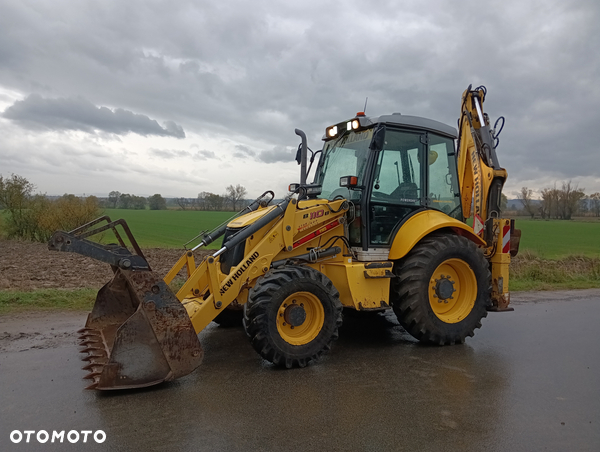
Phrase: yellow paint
(249, 218)
(176, 268)
(356, 291)
(473, 174)
(377, 272)
(500, 264)
(458, 306)
(309, 329)
(262, 249)
(422, 224)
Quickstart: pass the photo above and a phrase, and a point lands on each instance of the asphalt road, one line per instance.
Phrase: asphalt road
(528, 381)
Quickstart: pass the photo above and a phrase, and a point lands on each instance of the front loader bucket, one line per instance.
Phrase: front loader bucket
(138, 334)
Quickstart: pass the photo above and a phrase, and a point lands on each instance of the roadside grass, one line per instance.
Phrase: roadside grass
(12, 301)
(529, 271)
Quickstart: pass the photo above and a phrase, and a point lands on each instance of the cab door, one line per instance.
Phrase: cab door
(397, 185)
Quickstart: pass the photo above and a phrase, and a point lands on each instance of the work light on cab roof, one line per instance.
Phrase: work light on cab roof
(354, 124)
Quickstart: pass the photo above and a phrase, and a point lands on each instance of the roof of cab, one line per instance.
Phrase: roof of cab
(412, 122)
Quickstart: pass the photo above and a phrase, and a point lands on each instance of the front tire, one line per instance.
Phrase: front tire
(292, 316)
(442, 289)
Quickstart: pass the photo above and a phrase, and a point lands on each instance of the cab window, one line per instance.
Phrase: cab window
(397, 183)
(443, 189)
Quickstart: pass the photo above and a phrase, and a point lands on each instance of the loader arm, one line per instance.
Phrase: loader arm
(208, 290)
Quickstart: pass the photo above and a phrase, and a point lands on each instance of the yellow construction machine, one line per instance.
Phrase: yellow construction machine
(383, 225)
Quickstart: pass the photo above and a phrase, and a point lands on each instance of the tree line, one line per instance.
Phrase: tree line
(560, 203)
(118, 200)
(232, 199)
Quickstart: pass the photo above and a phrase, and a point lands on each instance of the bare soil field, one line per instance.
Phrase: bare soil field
(28, 266)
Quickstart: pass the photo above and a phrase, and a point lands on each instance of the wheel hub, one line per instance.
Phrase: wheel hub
(444, 288)
(295, 315)
(300, 318)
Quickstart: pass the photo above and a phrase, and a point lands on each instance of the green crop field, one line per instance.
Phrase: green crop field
(556, 239)
(168, 228)
(552, 239)
(171, 228)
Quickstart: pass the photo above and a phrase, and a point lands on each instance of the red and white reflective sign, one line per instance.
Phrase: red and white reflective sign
(478, 225)
(506, 239)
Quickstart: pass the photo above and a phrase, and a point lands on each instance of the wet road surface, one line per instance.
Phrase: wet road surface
(529, 380)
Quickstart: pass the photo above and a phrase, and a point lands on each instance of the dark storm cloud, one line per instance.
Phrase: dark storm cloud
(251, 72)
(76, 113)
(277, 154)
(243, 152)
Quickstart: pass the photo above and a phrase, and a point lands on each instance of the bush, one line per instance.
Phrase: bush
(35, 217)
(65, 214)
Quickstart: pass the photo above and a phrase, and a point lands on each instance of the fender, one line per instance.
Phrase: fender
(424, 223)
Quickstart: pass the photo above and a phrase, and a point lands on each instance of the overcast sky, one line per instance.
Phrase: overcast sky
(180, 97)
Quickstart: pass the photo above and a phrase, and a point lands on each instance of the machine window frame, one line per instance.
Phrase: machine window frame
(367, 201)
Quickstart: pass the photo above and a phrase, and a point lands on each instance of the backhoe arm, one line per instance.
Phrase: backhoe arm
(481, 177)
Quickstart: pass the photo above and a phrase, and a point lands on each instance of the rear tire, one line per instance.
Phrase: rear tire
(442, 289)
(292, 316)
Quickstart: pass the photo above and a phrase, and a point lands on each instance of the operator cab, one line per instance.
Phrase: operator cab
(381, 164)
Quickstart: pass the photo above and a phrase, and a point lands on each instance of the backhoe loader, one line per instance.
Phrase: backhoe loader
(383, 225)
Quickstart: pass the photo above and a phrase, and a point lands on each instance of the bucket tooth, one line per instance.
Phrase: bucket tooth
(90, 336)
(90, 333)
(84, 330)
(92, 386)
(91, 349)
(90, 341)
(92, 375)
(90, 367)
(91, 357)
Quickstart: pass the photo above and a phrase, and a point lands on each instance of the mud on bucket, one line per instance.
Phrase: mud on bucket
(138, 334)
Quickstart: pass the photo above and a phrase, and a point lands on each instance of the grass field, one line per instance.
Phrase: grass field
(171, 228)
(553, 239)
(168, 228)
(70, 300)
(556, 239)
